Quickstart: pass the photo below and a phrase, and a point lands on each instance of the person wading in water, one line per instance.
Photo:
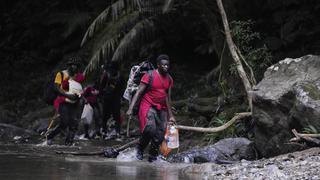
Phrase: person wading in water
(155, 107)
(67, 104)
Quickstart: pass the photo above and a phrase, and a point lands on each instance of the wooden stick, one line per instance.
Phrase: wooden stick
(80, 153)
(294, 131)
(216, 129)
(121, 148)
(128, 127)
(56, 116)
(307, 137)
(125, 146)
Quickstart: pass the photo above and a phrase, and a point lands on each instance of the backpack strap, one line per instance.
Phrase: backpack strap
(170, 80)
(150, 80)
(61, 74)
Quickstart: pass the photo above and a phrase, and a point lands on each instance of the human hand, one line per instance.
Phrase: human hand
(72, 97)
(172, 121)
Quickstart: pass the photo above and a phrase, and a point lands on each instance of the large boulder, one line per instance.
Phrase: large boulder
(288, 97)
(224, 151)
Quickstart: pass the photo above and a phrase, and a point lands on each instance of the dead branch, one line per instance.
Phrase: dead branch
(216, 129)
(311, 138)
(114, 150)
(81, 153)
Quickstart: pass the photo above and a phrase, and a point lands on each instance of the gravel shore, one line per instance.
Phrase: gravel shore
(298, 165)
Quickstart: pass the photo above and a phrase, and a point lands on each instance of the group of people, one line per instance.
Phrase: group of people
(153, 98)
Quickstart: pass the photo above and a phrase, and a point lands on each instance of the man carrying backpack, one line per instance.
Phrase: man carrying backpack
(155, 107)
(67, 109)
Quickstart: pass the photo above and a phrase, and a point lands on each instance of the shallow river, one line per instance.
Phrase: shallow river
(25, 166)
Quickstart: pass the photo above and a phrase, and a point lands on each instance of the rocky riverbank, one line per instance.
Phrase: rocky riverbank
(298, 165)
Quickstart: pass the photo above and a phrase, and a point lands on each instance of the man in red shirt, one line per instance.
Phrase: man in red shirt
(155, 107)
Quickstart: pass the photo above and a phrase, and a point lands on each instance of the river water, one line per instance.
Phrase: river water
(34, 166)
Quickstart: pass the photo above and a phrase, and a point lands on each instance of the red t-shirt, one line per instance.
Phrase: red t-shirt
(156, 96)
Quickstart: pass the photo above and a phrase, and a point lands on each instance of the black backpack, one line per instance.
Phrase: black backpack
(50, 93)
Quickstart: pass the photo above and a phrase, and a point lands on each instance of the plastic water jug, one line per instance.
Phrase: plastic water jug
(173, 138)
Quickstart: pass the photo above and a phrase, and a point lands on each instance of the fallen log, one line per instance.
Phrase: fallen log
(108, 152)
(216, 129)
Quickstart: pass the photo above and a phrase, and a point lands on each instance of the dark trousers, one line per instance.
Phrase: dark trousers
(111, 106)
(96, 116)
(154, 131)
(68, 120)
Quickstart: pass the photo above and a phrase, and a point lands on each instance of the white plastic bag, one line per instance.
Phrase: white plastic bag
(75, 87)
(87, 114)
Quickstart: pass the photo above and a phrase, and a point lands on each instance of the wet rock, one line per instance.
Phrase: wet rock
(225, 151)
(288, 97)
(11, 133)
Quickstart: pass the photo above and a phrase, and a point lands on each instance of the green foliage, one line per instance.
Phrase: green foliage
(259, 58)
(310, 130)
(233, 69)
(224, 87)
(134, 22)
(234, 130)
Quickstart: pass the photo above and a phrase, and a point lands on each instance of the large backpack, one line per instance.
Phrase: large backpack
(136, 73)
(50, 93)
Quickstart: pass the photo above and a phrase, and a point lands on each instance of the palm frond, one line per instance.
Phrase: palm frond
(142, 31)
(167, 6)
(107, 40)
(95, 25)
(114, 10)
(105, 51)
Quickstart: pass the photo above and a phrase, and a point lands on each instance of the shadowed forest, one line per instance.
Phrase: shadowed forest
(37, 38)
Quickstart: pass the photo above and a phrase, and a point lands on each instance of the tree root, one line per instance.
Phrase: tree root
(216, 129)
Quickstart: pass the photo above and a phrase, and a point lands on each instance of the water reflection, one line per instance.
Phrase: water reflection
(26, 167)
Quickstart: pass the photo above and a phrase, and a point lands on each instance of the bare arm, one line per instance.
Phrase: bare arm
(142, 87)
(63, 93)
(168, 102)
(103, 80)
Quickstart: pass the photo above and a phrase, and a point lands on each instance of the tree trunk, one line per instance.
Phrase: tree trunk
(233, 51)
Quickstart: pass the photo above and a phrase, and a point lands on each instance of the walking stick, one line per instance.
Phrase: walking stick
(56, 115)
(128, 127)
(108, 152)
